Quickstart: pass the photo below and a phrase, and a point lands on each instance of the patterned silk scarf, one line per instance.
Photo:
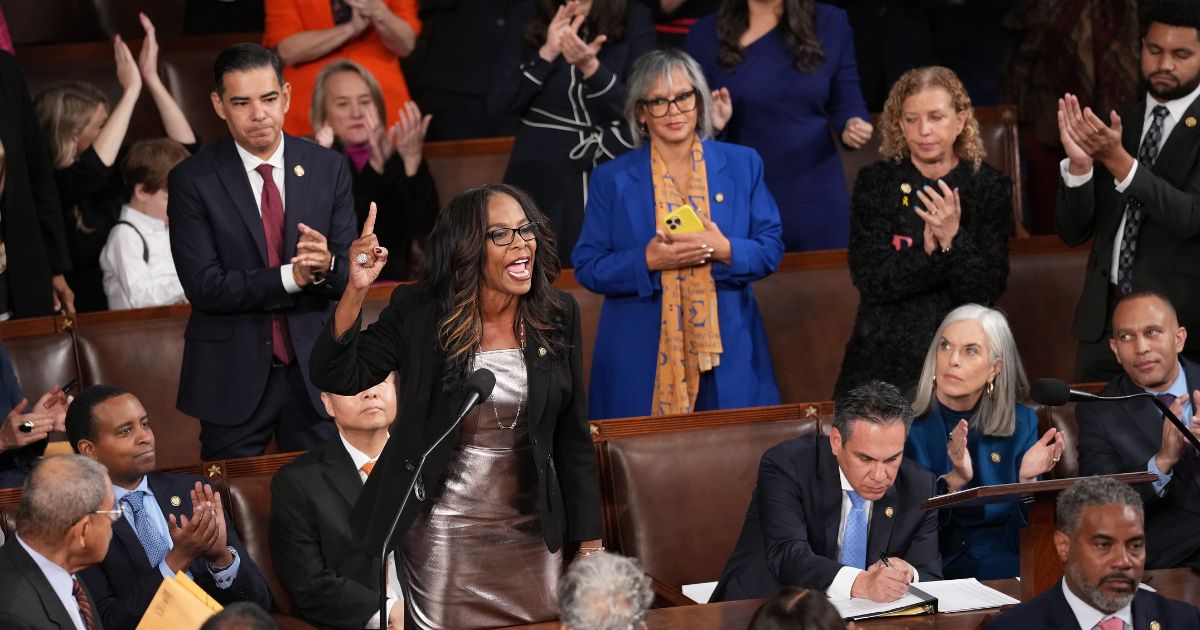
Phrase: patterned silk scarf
(689, 339)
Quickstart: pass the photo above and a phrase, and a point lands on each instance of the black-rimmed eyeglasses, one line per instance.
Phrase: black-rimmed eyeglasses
(659, 107)
(505, 236)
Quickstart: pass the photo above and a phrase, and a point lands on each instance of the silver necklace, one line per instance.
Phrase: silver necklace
(520, 394)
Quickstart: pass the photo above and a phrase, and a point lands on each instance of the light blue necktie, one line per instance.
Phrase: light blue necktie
(854, 540)
(152, 540)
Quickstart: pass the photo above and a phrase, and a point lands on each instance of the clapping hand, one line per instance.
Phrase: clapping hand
(324, 136)
(408, 136)
(1042, 456)
(941, 210)
(856, 133)
(191, 538)
(1174, 443)
(148, 55)
(552, 48)
(1085, 137)
(367, 257)
(962, 470)
(313, 259)
(575, 51)
(377, 138)
(218, 554)
(722, 109)
(128, 74)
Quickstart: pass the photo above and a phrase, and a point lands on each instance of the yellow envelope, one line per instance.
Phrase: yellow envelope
(179, 604)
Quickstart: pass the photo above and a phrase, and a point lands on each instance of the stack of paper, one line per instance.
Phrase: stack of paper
(968, 594)
(179, 604)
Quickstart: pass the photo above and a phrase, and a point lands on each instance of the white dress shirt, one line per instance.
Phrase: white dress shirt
(1088, 617)
(1175, 111)
(61, 582)
(360, 458)
(843, 582)
(250, 163)
(131, 281)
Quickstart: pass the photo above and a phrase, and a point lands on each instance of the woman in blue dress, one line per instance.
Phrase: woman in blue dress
(788, 67)
(680, 329)
(970, 431)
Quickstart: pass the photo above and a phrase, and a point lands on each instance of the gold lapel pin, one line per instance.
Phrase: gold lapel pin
(995, 458)
(720, 197)
(1154, 625)
(906, 188)
(298, 170)
(1190, 121)
(889, 512)
(541, 351)
(176, 501)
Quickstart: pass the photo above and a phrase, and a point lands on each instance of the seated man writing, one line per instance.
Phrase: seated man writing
(170, 523)
(828, 511)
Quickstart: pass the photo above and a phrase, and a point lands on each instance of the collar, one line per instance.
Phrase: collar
(1178, 388)
(59, 579)
(1088, 616)
(1175, 108)
(143, 486)
(251, 162)
(141, 220)
(358, 457)
(846, 487)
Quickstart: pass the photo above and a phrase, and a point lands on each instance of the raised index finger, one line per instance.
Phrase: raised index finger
(369, 224)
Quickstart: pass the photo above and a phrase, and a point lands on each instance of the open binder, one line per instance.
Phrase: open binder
(916, 602)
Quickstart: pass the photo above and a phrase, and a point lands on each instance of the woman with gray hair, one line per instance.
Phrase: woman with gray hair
(674, 234)
(971, 431)
(604, 591)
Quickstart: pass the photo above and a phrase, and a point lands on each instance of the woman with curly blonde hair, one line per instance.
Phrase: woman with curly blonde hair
(929, 228)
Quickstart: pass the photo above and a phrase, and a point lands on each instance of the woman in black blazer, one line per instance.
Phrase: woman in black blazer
(522, 471)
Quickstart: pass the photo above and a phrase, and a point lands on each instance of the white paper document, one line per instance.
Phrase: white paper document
(700, 593)
(968, 594)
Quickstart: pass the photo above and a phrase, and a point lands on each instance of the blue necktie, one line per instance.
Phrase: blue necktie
(854, 539)
(152, 540)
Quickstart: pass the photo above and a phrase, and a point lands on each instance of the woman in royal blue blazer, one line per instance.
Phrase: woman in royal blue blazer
(971, 431)
(657, 349)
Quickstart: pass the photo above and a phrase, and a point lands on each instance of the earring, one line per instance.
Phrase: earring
(991, 389)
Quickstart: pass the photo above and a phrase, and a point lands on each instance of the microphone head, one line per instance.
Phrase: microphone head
(1050, 391)
(481, 381)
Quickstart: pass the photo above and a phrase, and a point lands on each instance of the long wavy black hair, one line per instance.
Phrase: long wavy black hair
(797, 26)
(606, 17)
(453, 271)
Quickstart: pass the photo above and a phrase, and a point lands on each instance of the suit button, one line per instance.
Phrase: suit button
(500, 22)
(268, 341)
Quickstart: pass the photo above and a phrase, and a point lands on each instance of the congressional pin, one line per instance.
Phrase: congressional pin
(720, 197)
(176, 501)
(541, 351)
(906, 188)
(298, 170)
(995, 458)
(1190, 121)
(889, 512)
(1154, 625)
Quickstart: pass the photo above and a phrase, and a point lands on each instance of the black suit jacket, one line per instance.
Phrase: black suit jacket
(331, 578)
(790, 534)
(220, 253)
(1050, 611)
(124, 583)
(1121, 437)
(405, 339)
(1168, 247)
(28, 602)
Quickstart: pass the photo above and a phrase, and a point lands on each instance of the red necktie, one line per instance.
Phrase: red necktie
(272, 218)
(85, 608)
(1112, 623)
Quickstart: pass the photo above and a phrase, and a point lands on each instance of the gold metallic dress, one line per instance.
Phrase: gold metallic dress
(474, 557)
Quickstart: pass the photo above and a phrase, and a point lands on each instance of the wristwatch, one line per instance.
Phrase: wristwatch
(943, 486)
(216, 569)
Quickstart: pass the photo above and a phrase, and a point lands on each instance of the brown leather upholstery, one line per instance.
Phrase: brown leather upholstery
(250, 502)
(997, 127)
(48, 21)
(8, 520)
(143, 356)
(1063, 419)
(41, 362)
(187, 73)
(459, 165)
(677, 498)
(121, 17)
(1043, 288)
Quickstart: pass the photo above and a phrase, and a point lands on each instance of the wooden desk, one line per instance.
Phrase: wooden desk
(1179, 584)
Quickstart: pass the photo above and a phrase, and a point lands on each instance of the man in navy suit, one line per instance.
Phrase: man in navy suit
(826, 509)
(260, 226)
(171, 523)
(1102, 544)
(1133, 436)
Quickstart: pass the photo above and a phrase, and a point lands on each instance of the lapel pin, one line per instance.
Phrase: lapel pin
(1154, 625)
(1190, 121)
(995, 458)
(541, 351)
(298, 170)
(720, 197)
(889, 512)
(176, 501)
(906, 188)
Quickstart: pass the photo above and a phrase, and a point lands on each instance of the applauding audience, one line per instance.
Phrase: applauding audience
(971, 431)
(386, 165)
(171, 522)
(24, 433)
(929, 228)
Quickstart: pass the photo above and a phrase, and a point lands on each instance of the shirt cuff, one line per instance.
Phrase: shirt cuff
(1160, 486)
(1074, 181)
(289, 283)
(165, 570)
(1124, 183)
(373, 623)
(843, 582)
(224, 579)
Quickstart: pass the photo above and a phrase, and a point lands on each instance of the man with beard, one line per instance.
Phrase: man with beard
(1131, 183)
(1102, 544)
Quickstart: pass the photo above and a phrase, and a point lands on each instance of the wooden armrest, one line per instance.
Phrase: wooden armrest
(667, 596)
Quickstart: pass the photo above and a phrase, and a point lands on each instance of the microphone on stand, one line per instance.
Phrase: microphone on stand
(479, 386)
(1053, 392)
